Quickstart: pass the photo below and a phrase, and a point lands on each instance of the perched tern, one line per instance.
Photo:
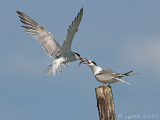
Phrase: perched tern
(62, 54)
(106, 76)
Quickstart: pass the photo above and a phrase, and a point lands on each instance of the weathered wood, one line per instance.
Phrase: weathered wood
(105, 103)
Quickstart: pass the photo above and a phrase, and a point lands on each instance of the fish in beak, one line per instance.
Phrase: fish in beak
(82, 60)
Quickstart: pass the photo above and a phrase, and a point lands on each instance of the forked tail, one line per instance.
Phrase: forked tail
(127, 73)
(120, 75)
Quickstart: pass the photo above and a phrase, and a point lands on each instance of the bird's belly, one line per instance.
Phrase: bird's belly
(107, 80)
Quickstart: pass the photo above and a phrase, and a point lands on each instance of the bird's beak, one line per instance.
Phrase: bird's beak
(87, 61)
(82, 60)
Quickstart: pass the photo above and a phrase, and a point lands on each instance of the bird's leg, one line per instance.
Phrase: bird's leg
(109, 84)
(102, 85)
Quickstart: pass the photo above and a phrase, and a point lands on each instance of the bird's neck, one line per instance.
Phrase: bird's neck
(95, 69)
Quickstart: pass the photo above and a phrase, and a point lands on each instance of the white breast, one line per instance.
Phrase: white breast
(95, 69)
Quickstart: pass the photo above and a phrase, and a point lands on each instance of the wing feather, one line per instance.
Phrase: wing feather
(44, 37)
(73, 28)
(105, 74)
(120, 80)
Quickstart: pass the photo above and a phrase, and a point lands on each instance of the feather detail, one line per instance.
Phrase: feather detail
(120, 80)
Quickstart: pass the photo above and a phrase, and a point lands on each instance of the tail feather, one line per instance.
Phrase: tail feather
(120, 80)
(54, 68)
(128, 73)
(120, 75)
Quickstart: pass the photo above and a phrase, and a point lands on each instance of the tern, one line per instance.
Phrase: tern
(63, 54)
(106, 76)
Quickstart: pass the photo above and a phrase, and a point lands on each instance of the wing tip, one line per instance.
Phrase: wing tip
(20, 13)
(81, 9)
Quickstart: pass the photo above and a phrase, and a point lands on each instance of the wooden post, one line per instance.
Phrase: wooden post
(105, 103)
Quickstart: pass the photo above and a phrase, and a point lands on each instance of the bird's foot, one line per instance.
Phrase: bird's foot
(102, 85)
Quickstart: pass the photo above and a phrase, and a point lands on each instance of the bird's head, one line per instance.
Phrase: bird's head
(78, 57)
(94, 67)
(90, 63)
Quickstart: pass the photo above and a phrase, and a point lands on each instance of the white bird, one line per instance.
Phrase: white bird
(106, 76)
(62, 54)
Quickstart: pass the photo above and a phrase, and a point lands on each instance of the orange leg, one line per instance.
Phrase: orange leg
(102, 85)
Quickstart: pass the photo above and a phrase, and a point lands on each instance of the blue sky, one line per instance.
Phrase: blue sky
(122, 35)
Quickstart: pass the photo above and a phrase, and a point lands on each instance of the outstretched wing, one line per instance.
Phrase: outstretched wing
(73, 28)
(46, 39)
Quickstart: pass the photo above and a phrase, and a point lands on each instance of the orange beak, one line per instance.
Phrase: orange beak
(87, 61)
(83, 60)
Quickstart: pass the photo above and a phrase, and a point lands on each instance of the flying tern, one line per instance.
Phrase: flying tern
(106, 76)
(63, 54)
